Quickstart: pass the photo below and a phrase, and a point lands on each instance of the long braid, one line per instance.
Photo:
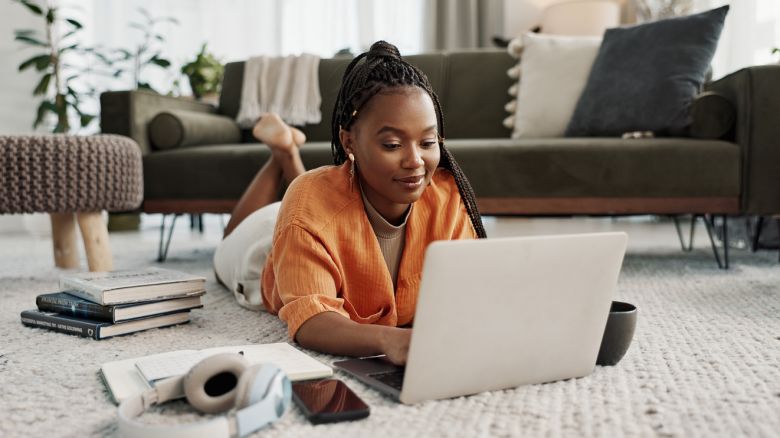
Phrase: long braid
(382, 68)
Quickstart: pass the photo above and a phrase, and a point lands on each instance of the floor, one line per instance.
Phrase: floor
(703, 360)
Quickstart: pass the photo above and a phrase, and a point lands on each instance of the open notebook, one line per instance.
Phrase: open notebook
(128, 377)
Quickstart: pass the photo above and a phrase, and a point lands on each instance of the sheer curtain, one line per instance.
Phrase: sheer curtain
(238, 29)
(462, 24)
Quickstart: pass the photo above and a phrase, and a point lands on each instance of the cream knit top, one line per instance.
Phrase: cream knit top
(391, 238)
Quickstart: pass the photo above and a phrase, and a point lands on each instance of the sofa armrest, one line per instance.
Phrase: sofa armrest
(128, 113)
(755, 93)
(182, 128)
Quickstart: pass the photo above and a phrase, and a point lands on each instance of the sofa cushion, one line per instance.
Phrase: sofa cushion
(599, 167)
(645, 77)
(214, 171)
(554, 72)
(475, 94)
(174, 128)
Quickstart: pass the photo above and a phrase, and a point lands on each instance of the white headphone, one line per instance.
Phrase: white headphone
(256, 396)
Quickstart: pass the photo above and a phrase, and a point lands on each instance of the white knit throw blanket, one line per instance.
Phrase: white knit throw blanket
(288, 86)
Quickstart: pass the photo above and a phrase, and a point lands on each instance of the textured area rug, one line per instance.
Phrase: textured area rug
(705, 360)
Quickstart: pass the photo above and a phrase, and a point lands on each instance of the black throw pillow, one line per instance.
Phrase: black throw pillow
(645, 77)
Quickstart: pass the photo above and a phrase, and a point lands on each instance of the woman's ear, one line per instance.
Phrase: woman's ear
(345, 137)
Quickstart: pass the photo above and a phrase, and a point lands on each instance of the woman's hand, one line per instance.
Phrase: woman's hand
(395, 344)
(330, 332)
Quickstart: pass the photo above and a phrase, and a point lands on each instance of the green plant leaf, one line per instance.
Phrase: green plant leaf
(102, 58)
(24, 32)
(43, 108)
(70, 34)
(72, 92)
(127, 54)
(35, 9)
(75, 23)
(30, 40)
(43, 85)
(145, 13)
(40, 62)
(164, 63)
(86, 119)
(51, 15)
(68, 48)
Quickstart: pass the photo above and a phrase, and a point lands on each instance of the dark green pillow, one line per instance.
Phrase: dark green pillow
(178, 128)
(712, 116)
(645, 77)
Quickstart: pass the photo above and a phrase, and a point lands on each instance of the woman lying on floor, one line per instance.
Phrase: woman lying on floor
(340, 258)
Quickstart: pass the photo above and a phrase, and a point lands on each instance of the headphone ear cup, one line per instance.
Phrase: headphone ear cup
(211, 385)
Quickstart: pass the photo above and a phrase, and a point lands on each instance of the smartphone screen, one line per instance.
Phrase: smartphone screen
(325, 401)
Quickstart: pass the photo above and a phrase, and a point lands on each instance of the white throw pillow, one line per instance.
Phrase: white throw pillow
(554, 72)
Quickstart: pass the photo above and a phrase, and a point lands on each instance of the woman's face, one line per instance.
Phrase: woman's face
(395, 143)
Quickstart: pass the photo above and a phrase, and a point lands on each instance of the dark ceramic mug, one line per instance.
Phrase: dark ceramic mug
(618, 333)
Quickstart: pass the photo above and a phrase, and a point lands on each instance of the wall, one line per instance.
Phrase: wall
(17, 111)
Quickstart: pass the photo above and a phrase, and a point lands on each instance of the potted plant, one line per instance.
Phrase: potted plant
(57, 86)
(149, 51)
(205, 75)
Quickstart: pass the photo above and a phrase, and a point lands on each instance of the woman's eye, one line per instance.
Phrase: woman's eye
(429, 144)
(391, 145)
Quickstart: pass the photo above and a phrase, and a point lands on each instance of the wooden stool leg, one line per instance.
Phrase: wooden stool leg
(95, 235)
(63, 237)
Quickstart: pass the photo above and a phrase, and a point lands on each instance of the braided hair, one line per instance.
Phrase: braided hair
(382, 69)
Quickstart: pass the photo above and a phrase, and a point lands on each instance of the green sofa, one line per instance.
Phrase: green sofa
(736, 173)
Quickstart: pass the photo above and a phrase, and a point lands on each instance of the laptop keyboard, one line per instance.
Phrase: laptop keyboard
(393, 379)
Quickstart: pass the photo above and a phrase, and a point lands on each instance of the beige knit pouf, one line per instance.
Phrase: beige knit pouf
(73, 179)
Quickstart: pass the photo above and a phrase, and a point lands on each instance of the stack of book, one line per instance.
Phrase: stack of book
(100, 305)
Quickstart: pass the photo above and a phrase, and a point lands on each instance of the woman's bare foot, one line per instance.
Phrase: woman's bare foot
(299, 138)
(271, 130)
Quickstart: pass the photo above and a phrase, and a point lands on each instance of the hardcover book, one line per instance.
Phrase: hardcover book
(129, 286)
(65, 303)
(90, 328)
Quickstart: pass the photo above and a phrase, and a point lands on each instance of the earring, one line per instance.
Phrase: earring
(351, 168)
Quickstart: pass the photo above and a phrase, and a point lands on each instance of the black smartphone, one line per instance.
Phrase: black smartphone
(328, 401)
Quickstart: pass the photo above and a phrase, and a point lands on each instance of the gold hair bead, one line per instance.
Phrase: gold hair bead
(354, 113)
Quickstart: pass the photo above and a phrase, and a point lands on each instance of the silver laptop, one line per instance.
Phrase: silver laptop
(500, 313)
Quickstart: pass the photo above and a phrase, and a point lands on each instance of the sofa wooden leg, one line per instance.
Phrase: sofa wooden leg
(95, 235)
(63, 236)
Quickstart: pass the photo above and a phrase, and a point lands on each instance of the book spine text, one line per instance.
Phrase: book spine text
(52, 322)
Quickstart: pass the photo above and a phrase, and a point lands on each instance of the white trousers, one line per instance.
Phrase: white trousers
(240, 257)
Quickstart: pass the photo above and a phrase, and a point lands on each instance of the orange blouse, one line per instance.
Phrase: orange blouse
(326, 257)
